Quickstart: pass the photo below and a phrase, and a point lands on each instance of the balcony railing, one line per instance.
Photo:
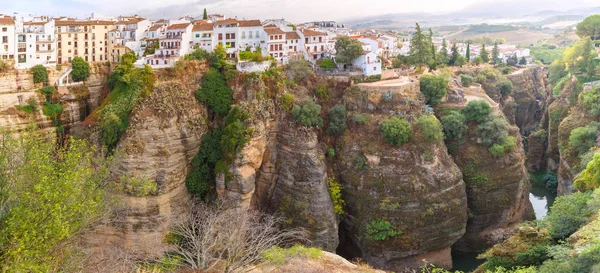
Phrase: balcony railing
(170, 47)
(173, 36)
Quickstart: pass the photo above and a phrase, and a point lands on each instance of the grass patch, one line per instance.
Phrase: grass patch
(277, 255)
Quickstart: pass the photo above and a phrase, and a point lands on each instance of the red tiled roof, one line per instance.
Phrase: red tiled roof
(6, 20)
(178, 26)
(82, 23)
(130, 21)
(270, 26)
(308, 32)
(249, 23)
(203, 27)
(272, 31)
(229, 21)
(292, 35)
(34, 23)
(153, 28)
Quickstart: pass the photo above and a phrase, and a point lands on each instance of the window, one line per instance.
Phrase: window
(250, 34)
(374, 68)
(220, 36)
(4, 29)
(243, 35)
(197, 35)
(257, 34)
(4, 39)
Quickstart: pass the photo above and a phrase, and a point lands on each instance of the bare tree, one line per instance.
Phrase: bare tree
(229, 238)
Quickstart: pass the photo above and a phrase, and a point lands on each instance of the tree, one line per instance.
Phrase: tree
(434, 63)
(308, 113)
(395, 130)
(460, 61)
(485, 57)
(433, 88)
(443, 54)
(589, 27)
(589, 178)
(583, 138)
(478, 60)
(347, 49)
(81, 69)
(48, 195)
(454, 55)
(337, 120)
(468, 53)
(454, 124)
(40, 74)
(523, 61)
(327, 63)
(420, 51)
(493, 130)
(205, 15)
(477, 110)
(495, 54)
(215, 92)
(217, 58)
(225, 238)
(431, 128)
(506, 87)
(568, 213)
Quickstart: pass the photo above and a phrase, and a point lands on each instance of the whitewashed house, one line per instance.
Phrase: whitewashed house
(7, 39)
(276, 42)
(175, 44)
(36, 43)
(369, 63)
(314, 44)
(202, 35)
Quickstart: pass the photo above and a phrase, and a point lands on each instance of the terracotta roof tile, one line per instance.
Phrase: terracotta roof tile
(6, 20)
(153, 28)
(308, 32)
(203, 27)
(229, 21)
(82, 23)
(250, 23)
(34, 23)
(178, 26)
(272, 31)
(292, 35)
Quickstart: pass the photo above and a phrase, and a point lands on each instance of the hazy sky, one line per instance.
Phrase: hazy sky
(292, 10)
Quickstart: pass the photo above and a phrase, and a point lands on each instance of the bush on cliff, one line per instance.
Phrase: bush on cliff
(590, 177)
(308, 113)
(433, 88)
(583, 138)
(590, 100)
(493, 130)
(215, 92)
(81, 69)
(379, 230)
(466, 80)
(431, 128)
(477, 110)
(395, 130)
(337, 120)
(454, 125)
(202, 177)
(568, 214)
(506, 87)
(40, 74)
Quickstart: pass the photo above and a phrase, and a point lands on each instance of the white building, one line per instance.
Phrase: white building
(7, 39)
(202, 35)
(236, 34)
(293, 46)
(369, 63)
(276, 42)
(38, 39)
(129, 32)
(314, 43)
(175, 44)
(375, 45)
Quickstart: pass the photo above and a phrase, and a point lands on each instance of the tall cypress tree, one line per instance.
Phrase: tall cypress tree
(495, 54)
(468, 53)
(433, 63)
(484, 54)
(454, 55)
(443, 54)
(205, 15)
(419, 48)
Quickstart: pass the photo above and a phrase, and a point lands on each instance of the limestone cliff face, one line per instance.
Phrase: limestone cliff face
(497, 191)
(530, 92)
(16, 87)
(416, 187)
(157, 149)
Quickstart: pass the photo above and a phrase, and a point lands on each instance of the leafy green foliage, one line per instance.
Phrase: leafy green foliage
(506, 145)
(287, 100)
(360, 118)
(433, 88)
(253, 56)
(40, 74)
(31, 107)
(198, 54)
(590, 177)
(48, 195)
(590, 100)
(278, 256)
(361, 163)
(589, 27)
(337, 120)
(328, 63)
(506, 87)
(472, 176)
(47, 91)
(129, 85)
(466, 80)
(568, 213)
(454, 124)
(52, 111)
(347, 50)
(546, 54)
(379, 230)
(477, 110)
(81, 69)
(583, 138)
(420, 48)
(431, 128)
(299, 70)
(395, 130)
(493, 130)
(215, 92)
(308, 113)
(202, 177)
(335, 191)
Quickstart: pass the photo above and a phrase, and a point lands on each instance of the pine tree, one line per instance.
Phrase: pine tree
(443, 54)
(433, 63)
(468, 53)
(419, 48)
(495, 54)
(484, 54)
(454, 55)
(205, 15)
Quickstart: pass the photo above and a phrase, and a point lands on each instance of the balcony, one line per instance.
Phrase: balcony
(170, 47)
(47, 40)
(173, 36)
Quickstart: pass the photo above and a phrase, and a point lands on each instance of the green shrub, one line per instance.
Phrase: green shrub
(472, 176)
(47, 91)
(40, 74)
(197, 54)
(590, 100)
(379, 230)
(278, 256)
(31, 107)
(52, 111)
(506, 87)
(454, 124)
(137, 186)
(215, 92)
(330, 152)
(360, 118)
(568, 213)
(589, 178)
(477, 110)
(395, 130)
(582, 139)
(335, 191)
(322, 91)
(496, 150)
(360, 162)
(287, 100)
(493, 130)
(81, 69)
(551, 182)
(337, 120)
(431, 128)
(466, 80)
(327, 63)
(480, 78)
(308, 113)
(433, 88)
(202, 177)
(299, 70)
